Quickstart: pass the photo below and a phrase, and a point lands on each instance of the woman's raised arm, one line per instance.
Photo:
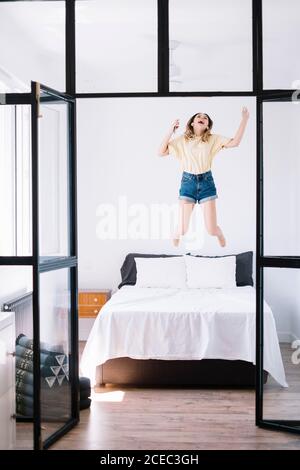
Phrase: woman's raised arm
(163, 149)
(240, 132)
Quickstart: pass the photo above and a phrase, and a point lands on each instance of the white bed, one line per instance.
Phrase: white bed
(181, 324)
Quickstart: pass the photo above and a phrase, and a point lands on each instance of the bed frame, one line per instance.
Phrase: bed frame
(205, 372)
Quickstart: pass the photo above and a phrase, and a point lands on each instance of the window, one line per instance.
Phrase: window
(34, 32)
(281, 36)
(116, 46)
(210, 45)
(15, 181)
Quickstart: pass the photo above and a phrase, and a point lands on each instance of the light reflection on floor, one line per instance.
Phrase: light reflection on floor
(114, 396)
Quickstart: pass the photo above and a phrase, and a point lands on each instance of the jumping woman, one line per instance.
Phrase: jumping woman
(196, 149)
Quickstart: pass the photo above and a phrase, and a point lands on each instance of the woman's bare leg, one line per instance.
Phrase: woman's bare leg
(210, 218)
(185, 212)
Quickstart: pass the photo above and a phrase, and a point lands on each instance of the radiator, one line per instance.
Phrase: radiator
(22, 306)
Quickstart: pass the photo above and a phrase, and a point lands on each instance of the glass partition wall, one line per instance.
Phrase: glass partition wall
(277, 244)
(38, 259)
(278, 260)
(54, 153)
(167, 55)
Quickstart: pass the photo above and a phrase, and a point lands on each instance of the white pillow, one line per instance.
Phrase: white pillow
(161, 272)
(210, 272)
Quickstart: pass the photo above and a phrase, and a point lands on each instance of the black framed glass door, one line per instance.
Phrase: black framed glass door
(54, 264)
(278, 262)
(38, 259)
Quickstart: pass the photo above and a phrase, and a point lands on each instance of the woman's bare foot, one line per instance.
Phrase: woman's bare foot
(222, 240)
(176, 241)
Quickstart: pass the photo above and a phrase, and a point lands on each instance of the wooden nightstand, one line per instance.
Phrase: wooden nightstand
(90, 301)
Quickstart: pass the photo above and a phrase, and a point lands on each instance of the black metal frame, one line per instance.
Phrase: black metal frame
(42, 265)
(261, 96)
(261, 260)
(292, 262)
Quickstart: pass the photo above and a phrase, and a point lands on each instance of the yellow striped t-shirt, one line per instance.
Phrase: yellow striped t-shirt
(196, 156)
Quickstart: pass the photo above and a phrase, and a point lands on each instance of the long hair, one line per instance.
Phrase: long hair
(189, 131)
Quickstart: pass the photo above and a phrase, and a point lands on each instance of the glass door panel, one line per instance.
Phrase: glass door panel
(278, 266)
(281, 149)
(54, 188)
(55, 307)
(282, 400)
(205, 40)
(55, 271)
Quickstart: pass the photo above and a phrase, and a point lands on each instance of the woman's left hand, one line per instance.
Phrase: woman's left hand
(245, 113)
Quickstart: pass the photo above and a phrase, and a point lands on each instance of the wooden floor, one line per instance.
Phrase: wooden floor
(172, 419)
(188, 419)
(284, 403)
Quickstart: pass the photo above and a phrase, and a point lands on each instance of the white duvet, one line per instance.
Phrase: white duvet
(177, 324)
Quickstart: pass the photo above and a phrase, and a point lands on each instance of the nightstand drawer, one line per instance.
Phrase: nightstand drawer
(88, 311)
(92, 298)
(91, 301)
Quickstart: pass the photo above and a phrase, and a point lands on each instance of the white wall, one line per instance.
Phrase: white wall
(14, 282)
(118, 165)
(118, 140)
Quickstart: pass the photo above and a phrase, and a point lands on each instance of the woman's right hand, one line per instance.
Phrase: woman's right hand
(175, 125)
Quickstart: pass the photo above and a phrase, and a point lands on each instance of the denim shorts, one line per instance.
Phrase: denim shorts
(197, 188)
